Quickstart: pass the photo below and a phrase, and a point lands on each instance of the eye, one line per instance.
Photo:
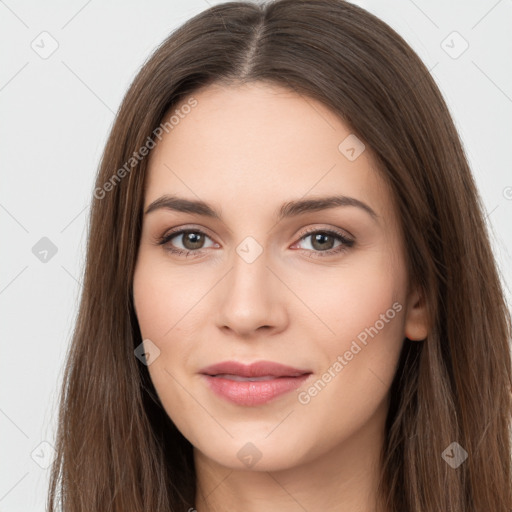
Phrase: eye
(322, 242)
(192, 241)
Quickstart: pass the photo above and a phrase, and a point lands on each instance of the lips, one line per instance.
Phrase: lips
(253, 384)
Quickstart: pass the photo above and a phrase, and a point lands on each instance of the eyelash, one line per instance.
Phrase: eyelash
(345, 245)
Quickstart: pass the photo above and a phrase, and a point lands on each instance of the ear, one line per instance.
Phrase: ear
(416, 321)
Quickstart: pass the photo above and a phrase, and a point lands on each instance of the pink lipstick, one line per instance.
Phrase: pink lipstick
(253, 384)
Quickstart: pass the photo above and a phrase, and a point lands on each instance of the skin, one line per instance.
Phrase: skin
(246, 150)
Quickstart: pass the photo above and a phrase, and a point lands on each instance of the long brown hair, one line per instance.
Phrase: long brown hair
(117, 450)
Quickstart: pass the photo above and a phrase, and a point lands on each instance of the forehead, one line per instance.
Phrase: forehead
(258, 144)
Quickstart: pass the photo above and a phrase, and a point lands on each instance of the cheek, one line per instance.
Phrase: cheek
(352, 298)
(170, 308)
(367, 305)
(162, 298)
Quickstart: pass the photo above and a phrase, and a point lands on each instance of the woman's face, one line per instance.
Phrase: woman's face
(269, 273)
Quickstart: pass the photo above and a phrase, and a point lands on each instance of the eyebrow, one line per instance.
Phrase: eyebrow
(288, 209)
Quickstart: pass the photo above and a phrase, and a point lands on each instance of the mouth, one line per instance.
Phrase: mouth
(254, 384)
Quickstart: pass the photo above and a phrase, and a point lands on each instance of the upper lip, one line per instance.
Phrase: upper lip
(256, 369)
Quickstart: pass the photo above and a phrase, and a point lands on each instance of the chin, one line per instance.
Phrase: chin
(254, 453)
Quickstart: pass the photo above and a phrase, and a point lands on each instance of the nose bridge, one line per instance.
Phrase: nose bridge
(250, 298)
(250, 278)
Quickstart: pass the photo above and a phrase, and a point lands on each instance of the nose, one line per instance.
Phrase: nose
(251, 298)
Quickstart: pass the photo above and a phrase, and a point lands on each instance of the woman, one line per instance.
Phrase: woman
(290, 300)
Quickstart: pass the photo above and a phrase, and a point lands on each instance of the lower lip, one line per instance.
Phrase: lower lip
(253, 392)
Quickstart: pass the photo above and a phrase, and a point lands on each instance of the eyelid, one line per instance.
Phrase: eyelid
(331, 229)
(187, 227)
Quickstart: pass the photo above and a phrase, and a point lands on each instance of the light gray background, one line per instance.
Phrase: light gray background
(55, 117)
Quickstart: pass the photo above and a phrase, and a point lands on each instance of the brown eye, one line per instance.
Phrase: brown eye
(192, 242)
(322, 242)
